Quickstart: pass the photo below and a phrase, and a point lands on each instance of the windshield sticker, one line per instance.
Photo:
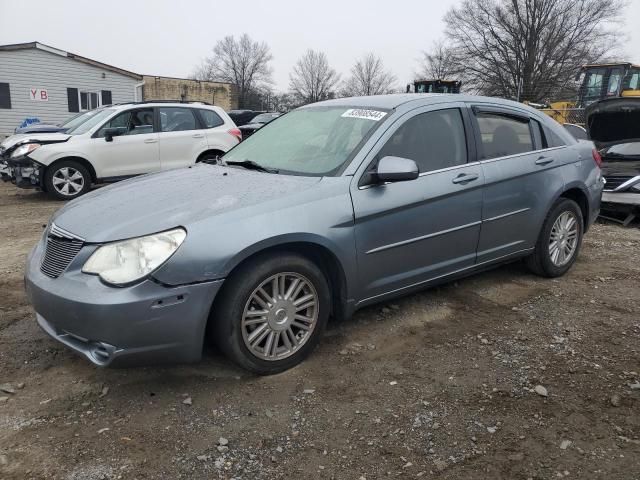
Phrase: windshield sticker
(374, 115)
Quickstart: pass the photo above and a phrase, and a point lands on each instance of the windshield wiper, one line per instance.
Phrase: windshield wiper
(251, 165)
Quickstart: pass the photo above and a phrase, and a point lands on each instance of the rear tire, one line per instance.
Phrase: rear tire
(559, 241)
(268, 331)
(67, 180)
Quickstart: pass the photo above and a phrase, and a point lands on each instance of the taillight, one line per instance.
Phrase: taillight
(236, 133)
(597, 158)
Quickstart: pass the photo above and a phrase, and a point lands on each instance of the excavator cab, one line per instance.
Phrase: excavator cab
(434, 86)
(607, 81)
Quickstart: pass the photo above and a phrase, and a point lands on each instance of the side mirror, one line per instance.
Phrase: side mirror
(396, 169)
(109, 133)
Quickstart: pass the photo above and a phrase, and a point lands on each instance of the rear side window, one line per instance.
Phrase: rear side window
(434, 140)
(210, 118)
(177, 119)
(502, 135)
(552, 138)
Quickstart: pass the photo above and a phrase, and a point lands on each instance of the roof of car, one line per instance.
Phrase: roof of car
(395, 100)
(161, 103)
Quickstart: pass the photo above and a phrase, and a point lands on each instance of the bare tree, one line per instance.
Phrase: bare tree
(439, 63)
(243, 62)
(312, 78)
(368, 77)
(530, 49)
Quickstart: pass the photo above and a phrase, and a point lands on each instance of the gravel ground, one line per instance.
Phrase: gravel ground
(502, 375)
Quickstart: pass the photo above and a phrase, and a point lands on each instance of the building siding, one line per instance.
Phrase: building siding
(24, 69)
(167, 88)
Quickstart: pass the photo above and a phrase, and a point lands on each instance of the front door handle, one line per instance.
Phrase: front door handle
(465, 178)
(150, 140)
(197, 135)
(544, 161)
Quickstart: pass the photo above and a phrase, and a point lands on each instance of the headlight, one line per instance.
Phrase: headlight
(120, 263)
(25, 149)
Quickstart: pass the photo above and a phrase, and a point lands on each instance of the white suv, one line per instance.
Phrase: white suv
(117, 142)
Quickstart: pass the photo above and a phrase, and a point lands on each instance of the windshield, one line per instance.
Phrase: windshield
(93, 118)
(77, 119)
(314, 141)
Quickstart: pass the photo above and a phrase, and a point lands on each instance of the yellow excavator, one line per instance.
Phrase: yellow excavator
(599, 81)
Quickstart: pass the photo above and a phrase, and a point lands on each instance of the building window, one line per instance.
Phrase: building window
(89, 100)
(5, 96)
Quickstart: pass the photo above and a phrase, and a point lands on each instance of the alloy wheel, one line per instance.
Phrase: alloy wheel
(68, 181)
(280, 316)
(563, 241)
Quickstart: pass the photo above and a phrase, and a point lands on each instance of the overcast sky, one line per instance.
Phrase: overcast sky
(163, 37)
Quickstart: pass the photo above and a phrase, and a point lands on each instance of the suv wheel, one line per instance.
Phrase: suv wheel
(272, 313)
(67, 180)
(559, 241)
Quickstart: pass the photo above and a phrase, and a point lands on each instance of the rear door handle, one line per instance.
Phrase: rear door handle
(465, 178)
(544, 161)
(197, 135)
(150, 140)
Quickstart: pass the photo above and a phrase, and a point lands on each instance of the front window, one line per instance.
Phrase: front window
(316, 141)
(132, 122)
(614, 82)
(72, 122)
(93, 118)
(592, 85)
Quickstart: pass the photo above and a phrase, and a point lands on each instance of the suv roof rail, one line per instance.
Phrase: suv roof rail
(175, 101)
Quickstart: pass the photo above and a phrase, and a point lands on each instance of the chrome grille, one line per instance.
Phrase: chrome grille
(60, 250)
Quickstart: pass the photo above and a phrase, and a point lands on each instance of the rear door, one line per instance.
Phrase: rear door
(521, 177)
(181, 137)
(408, 233)
(132, 153)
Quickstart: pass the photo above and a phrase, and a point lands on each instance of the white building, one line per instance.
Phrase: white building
(38, 81)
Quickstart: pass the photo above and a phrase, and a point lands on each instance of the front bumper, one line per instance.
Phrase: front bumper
(22, 171)
(147, 323)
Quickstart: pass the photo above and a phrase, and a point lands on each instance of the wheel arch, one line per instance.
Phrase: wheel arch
(578, 194)
(82, 161)
(215, 151)
(316, 251)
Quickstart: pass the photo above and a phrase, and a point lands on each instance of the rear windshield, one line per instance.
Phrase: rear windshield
(314, 141)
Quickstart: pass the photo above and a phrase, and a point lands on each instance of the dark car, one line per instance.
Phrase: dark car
(242, 117)
(257, 123)
(51, 128)
(614, 126)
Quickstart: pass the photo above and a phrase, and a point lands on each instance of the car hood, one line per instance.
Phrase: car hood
(40, 128)
(614, 121)
(157, 202)
(14, 140)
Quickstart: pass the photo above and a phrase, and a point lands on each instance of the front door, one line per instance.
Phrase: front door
(133, 152)
(409, 233)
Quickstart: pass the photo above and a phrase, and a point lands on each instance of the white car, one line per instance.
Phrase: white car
(118, 142)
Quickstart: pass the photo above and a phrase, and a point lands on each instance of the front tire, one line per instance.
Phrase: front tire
(559, 241)
(67, 180)
(272, 313)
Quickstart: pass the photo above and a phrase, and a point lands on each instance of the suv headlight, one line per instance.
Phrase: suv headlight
(124, 262)
(25, 149)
